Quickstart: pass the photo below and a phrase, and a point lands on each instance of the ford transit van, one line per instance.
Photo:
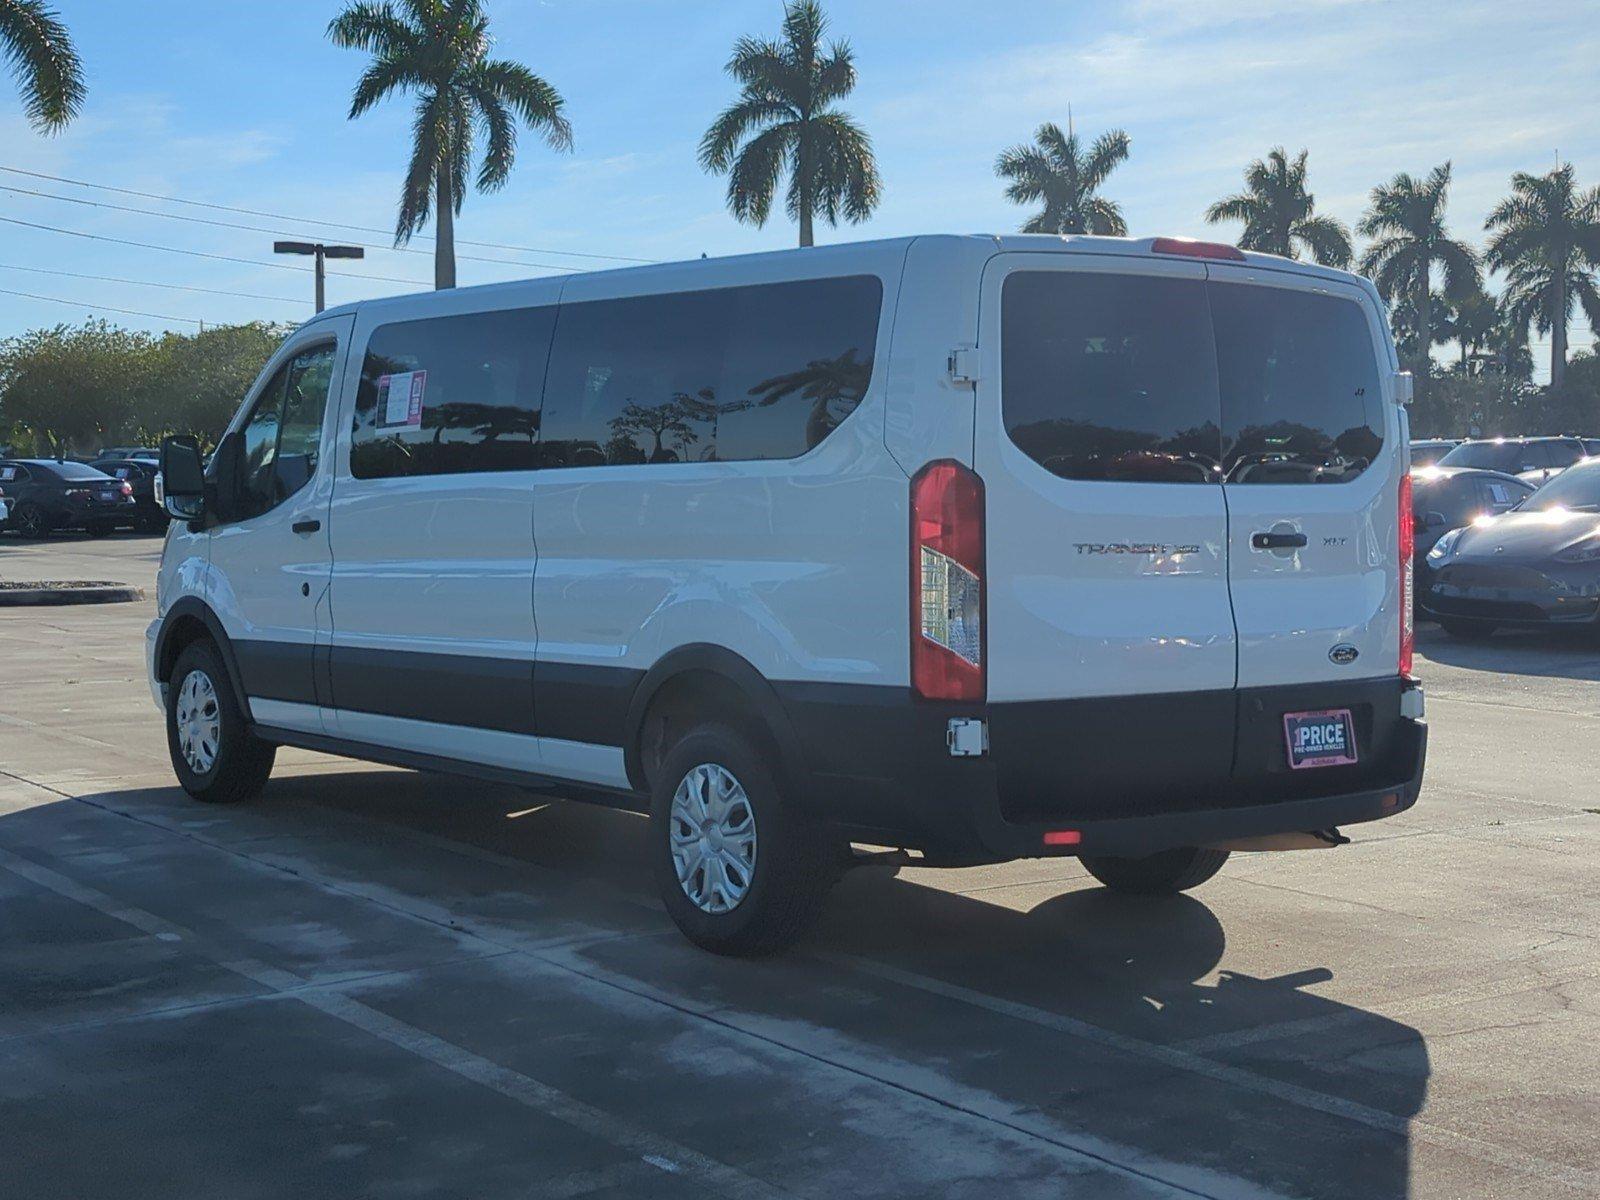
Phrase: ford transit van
(966, 549)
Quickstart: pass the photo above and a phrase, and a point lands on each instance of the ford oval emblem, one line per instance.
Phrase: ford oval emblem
(1344, 654)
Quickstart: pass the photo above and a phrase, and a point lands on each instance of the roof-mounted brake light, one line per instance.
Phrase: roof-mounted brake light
(1193, 249)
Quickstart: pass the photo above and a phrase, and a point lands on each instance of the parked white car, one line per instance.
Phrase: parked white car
(981, 547)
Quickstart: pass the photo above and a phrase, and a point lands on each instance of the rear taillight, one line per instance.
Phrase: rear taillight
(947, 649)
(1408, 545)
(127, 488)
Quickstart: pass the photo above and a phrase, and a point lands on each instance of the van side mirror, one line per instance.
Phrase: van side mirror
(183, 477)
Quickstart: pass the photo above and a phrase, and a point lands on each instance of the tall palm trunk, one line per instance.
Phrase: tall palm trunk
(1424, 326)
(1558, 326)
(803, 166)
(444, 248)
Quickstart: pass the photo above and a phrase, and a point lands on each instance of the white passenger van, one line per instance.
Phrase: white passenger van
(971, 548)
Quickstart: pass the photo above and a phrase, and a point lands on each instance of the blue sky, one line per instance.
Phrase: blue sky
(244, 104)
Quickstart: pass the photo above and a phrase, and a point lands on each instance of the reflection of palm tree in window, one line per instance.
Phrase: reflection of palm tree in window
(663, 422)
(703, 406)
(486, 421)
(834, 386)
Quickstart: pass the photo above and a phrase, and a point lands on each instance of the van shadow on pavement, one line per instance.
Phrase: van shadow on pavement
(1082, 1023)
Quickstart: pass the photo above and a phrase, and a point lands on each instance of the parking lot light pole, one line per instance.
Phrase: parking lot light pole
(322, 254)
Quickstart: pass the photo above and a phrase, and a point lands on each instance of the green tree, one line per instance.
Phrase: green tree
(1546, 237)
(1469, 321)
(1279, 214)
(1406, 216)
(193, 383)
(1066, 177)
(785, 122)
(73, 387)
(43, 62)
(439, 49)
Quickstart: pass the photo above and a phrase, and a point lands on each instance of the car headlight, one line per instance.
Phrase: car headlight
(1445, 546)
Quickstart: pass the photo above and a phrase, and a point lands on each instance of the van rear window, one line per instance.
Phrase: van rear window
(1155, 379)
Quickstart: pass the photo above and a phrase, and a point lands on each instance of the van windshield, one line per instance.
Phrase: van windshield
(1177, 380)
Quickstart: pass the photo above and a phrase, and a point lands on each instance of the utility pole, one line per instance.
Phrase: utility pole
(322, 254)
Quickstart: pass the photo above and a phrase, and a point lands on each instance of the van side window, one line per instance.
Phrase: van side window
(284, 431)
(1110, 377)
(449, 395)
(1299, 380)
(762, 372)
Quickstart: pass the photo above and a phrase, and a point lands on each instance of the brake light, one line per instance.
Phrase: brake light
(1063, 837)
(1408, 545)
(1193, 249)
(947, 583)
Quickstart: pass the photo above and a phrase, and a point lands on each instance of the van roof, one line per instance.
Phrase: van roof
(1032, 243)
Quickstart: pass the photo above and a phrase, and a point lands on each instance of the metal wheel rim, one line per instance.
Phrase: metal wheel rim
(713, 834)
(30, 523)
(199, 721)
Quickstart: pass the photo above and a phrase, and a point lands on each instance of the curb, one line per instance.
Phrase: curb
(102, 593)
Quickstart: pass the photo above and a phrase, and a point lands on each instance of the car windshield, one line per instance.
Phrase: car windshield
(1576, 489)
(1491, 456)
(76, 471)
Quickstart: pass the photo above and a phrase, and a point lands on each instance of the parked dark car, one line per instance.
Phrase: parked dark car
(1427, 451)
(1535, 459)
(1446, 498)
(48, 494)
(111, 453)
(1538, 565)
(140, 475)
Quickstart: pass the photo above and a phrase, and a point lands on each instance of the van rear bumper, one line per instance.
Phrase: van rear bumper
(878, 767)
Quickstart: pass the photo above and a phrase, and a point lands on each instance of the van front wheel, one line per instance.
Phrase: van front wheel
(740, 872)
(1161, 874)
(214, 754)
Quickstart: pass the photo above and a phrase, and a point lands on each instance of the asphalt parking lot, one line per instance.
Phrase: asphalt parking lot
(374, 983)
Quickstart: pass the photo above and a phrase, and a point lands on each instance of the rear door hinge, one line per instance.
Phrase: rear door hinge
(963, 365)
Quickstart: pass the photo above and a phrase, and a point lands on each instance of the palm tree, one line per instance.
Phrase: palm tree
(439, 49)
(1406, 215)
(1054, 169)
(1277, 212)
(1469, 321)
(43, 62)
(1547, 240)
(784, 122)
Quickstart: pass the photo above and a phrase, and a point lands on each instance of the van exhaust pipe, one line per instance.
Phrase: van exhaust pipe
(1316, 839)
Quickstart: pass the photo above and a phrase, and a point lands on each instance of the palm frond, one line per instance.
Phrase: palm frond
(1327, 239)
(430, 133)
(39, 51)
(754, 174)
(1241, 207)
(374, 27)
(721, 142)
(1104, 217)
(1108, 151)
(527, 95)
(383, 77)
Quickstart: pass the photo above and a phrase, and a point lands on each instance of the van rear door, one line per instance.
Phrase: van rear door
(1313, 457)
(1110, 639)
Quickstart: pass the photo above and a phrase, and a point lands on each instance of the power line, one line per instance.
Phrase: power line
(180, 287)
(150, 212)
(249, 262)
(255, 212)
(132, 312)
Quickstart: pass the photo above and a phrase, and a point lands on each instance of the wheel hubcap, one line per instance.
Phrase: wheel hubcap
(713, 838)
(199, 722)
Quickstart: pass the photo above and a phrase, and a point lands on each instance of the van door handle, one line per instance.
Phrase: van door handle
(1277, 541)
(313, 526)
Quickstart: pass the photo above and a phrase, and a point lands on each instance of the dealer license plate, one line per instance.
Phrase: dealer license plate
(1320, 739)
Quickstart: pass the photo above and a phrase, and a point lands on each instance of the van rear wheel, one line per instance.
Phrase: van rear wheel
(740, 872)
(1161, 874)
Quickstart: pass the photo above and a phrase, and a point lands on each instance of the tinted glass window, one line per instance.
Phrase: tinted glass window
(1454, 499)
(283, 432)
(1564, 454)
(1110, 377)
(12, 474)
(1299, 379)
(1503, 494)
(451, 394)
(1576, 488)
(743, 373)
(1490, 456)
(75, 471)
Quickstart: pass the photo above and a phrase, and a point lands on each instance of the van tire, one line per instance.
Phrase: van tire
(1161, 874)
(240, 762)
(1467, 630)
(792, 869)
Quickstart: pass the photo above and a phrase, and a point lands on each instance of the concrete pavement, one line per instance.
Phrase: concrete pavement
(378, 983)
